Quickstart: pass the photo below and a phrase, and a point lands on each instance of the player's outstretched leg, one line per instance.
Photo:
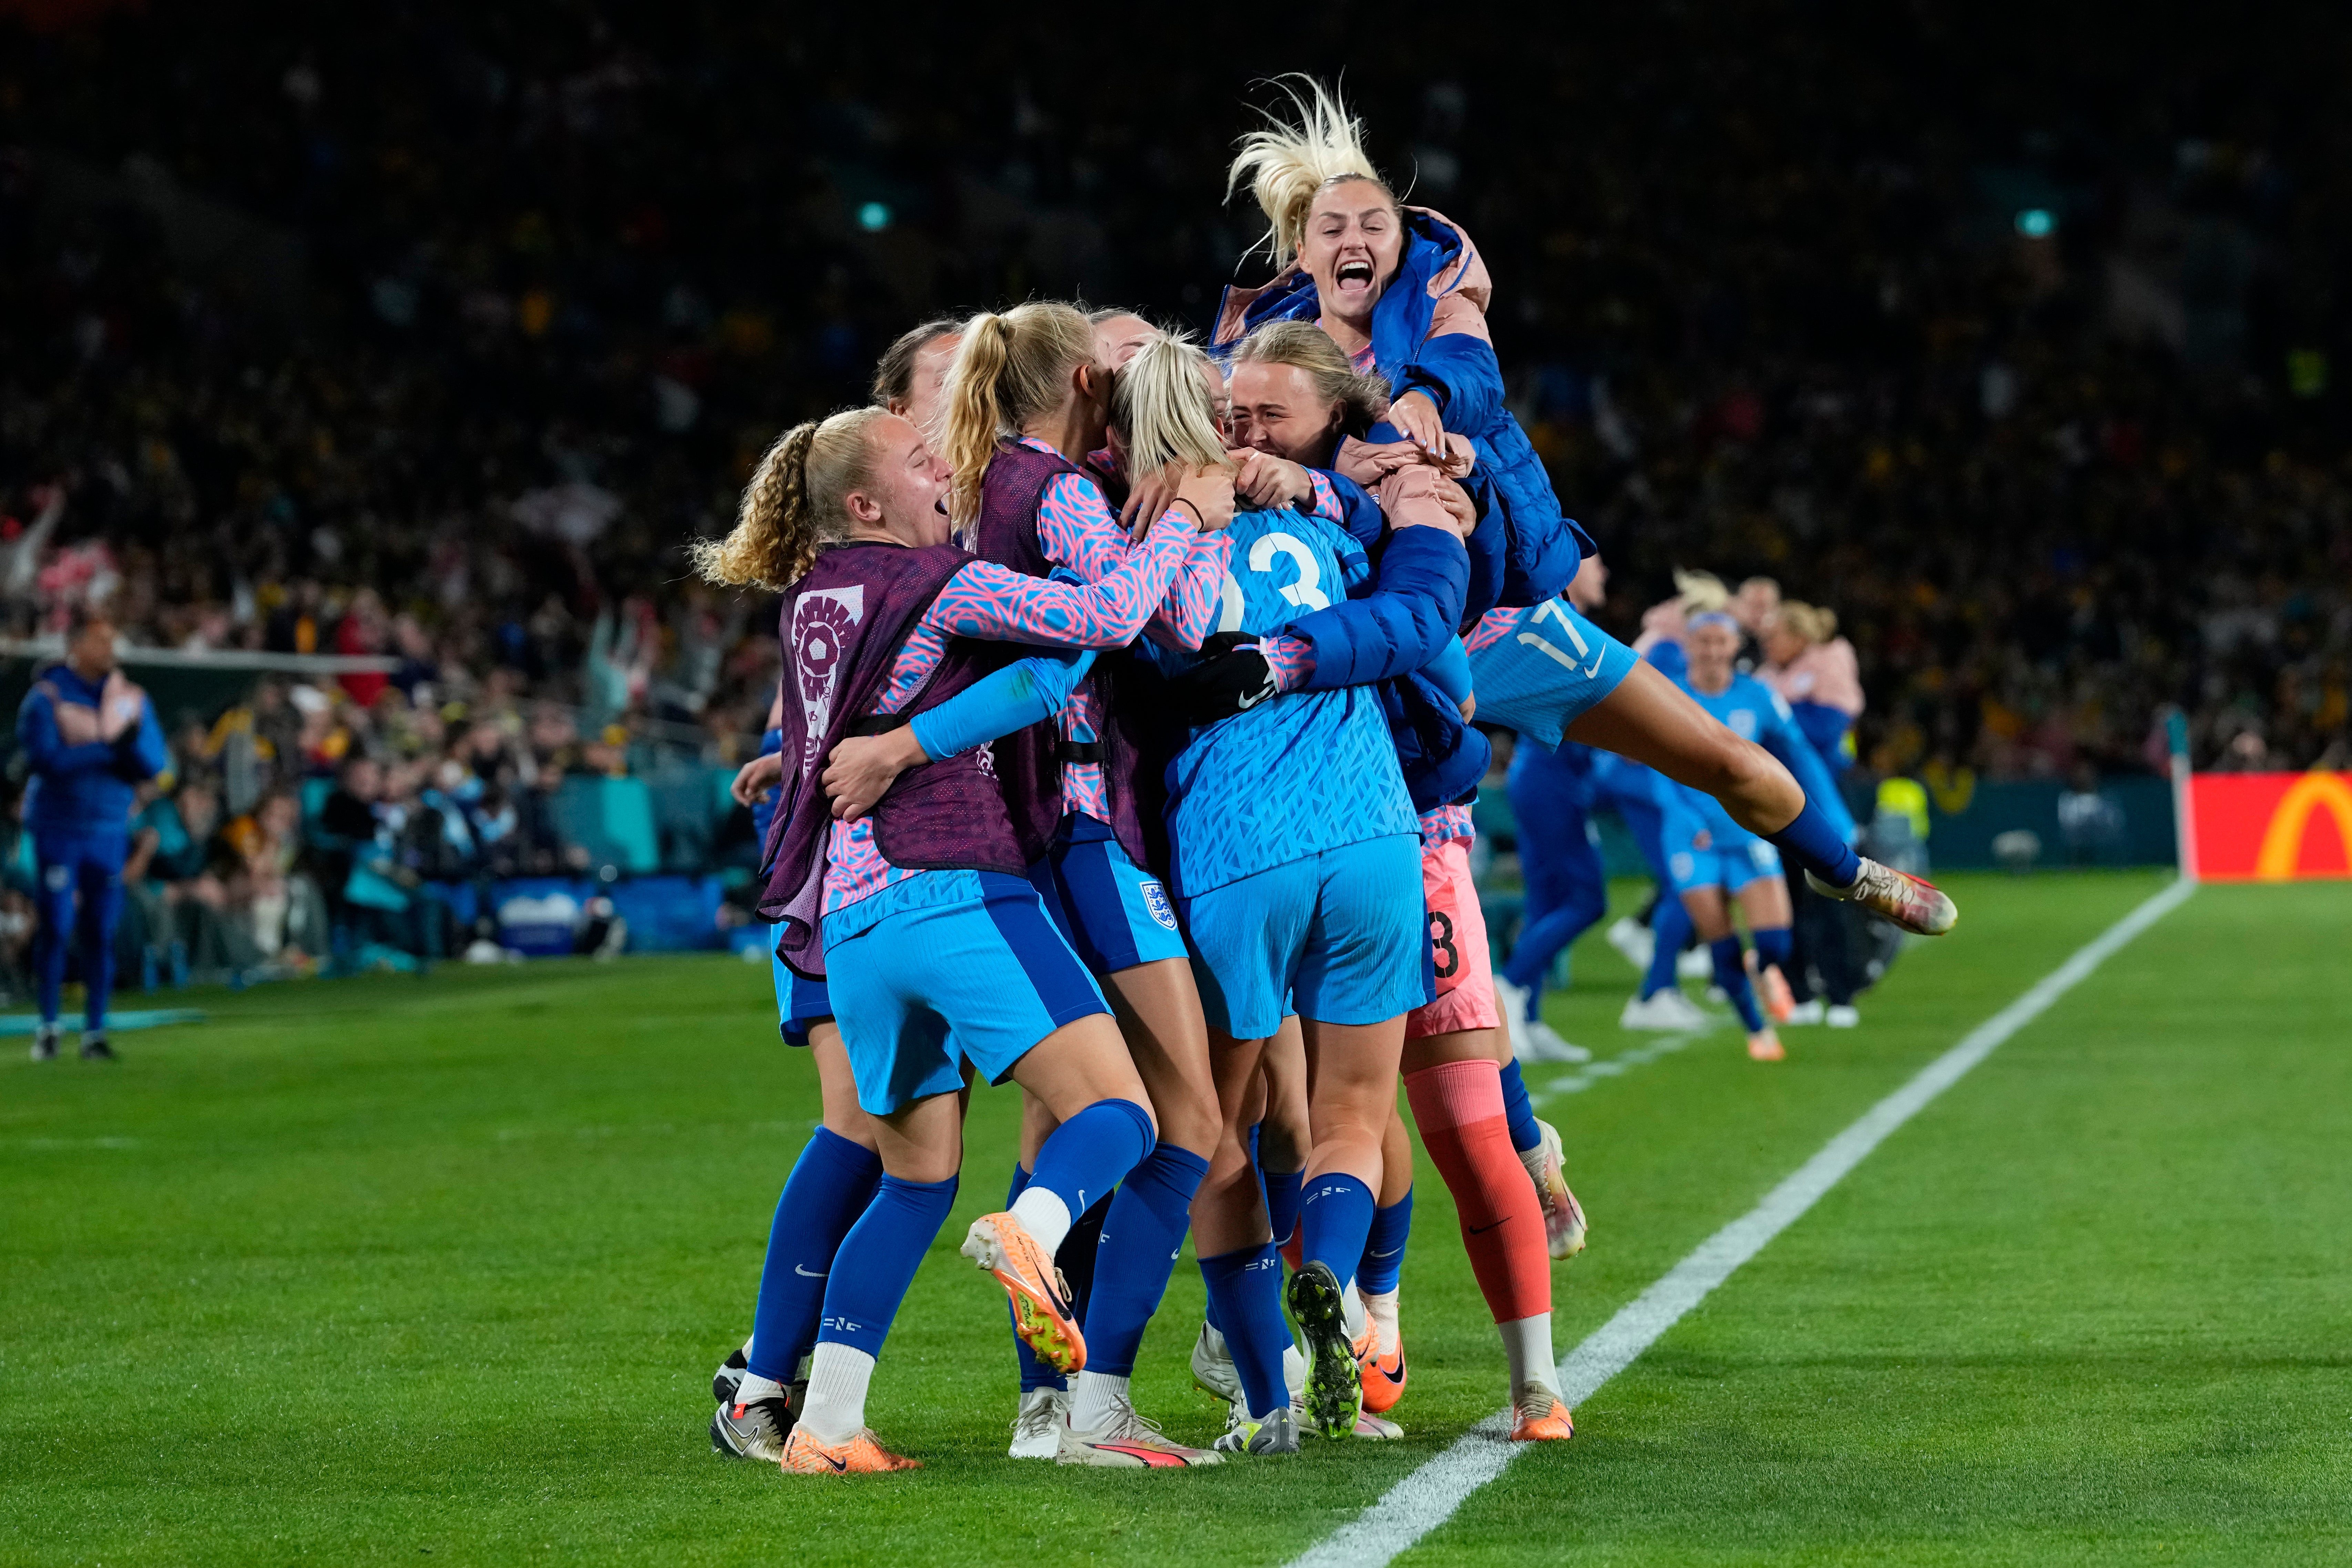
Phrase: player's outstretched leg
(1652, 721)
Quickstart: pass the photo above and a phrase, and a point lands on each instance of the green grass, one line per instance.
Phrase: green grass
(400, 1271)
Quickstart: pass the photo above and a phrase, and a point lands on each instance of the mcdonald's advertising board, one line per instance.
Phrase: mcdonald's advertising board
(2271, 827)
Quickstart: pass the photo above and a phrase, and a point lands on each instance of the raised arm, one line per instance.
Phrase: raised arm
(1076, 529)
(860, 768)
(997, 603)
(1021, 694)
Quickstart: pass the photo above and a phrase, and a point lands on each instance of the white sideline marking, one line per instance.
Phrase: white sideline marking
(1585, 1077)
(1428, 1497)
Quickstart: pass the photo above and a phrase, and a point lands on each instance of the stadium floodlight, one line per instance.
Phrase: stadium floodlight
(873, 216)
(2037, 223)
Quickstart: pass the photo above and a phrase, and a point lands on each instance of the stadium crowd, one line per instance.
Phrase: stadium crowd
(429, 335)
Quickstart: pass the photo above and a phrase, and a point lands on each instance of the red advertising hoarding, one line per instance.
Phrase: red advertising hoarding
(2271, 827)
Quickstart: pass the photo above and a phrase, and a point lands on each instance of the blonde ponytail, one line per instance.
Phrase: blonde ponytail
(1011, 368)
(1289, 164)
(793, 507)
(1159, 407)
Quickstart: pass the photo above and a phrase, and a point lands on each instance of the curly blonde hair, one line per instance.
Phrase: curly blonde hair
(1010, 368)
(1289, 163)
(793, 509)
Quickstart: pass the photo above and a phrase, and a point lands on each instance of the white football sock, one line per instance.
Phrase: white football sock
(1043, 1215)
(838, 1376)
(1216, 1342)
(747, 1352)
(1382, 1311)
(1097, 1400)
(1527, 1344)
(1352, 1310)
(756, 1388)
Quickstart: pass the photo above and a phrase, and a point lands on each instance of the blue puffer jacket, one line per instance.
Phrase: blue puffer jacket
(83, 786)
(1541, 549)
(1395, 622)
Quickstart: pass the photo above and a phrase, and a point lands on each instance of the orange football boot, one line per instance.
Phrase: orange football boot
(861, 1456)
(1042, 1314)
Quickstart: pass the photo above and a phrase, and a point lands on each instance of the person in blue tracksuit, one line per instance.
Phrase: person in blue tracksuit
(91, 739)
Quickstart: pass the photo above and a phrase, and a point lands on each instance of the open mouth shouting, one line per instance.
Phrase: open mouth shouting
(1353, 278)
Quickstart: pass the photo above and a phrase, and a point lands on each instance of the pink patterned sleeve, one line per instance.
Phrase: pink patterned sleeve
(1076, 529)
(999, 605)
(1196, 596)
(1292, 660)
(1327, 500)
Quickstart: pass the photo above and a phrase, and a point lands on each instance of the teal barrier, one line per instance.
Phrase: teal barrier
(2129, 824)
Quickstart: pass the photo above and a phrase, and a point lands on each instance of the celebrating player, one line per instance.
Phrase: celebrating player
(917, 917)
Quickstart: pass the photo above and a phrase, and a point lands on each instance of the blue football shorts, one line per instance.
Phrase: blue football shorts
(800, 1001)
(1115, 913)
(1339, 937)
(992, 971)
(1547, 668)
(1729, 867)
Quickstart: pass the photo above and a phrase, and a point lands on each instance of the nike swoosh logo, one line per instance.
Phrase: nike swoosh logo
(840, 1466)
(1260, 695)
(1595, 670)
(805, 1274)
(1482, 1229)
(1396, 1377)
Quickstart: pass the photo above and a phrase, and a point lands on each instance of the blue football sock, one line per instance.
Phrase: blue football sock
(877, 1261)
(1334, 1221)
(831, 1184)
(1818, 847)
(1087, 1155)
(1383, 1258)
(1732, 975)
(1282, 1201)
(1246, 1288)
(1141, 1238)
(1670, 927)
(1034, 1374)
(1518, 1111)
(1774, 946)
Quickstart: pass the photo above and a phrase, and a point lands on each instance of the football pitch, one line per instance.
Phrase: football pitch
(402, 1271)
